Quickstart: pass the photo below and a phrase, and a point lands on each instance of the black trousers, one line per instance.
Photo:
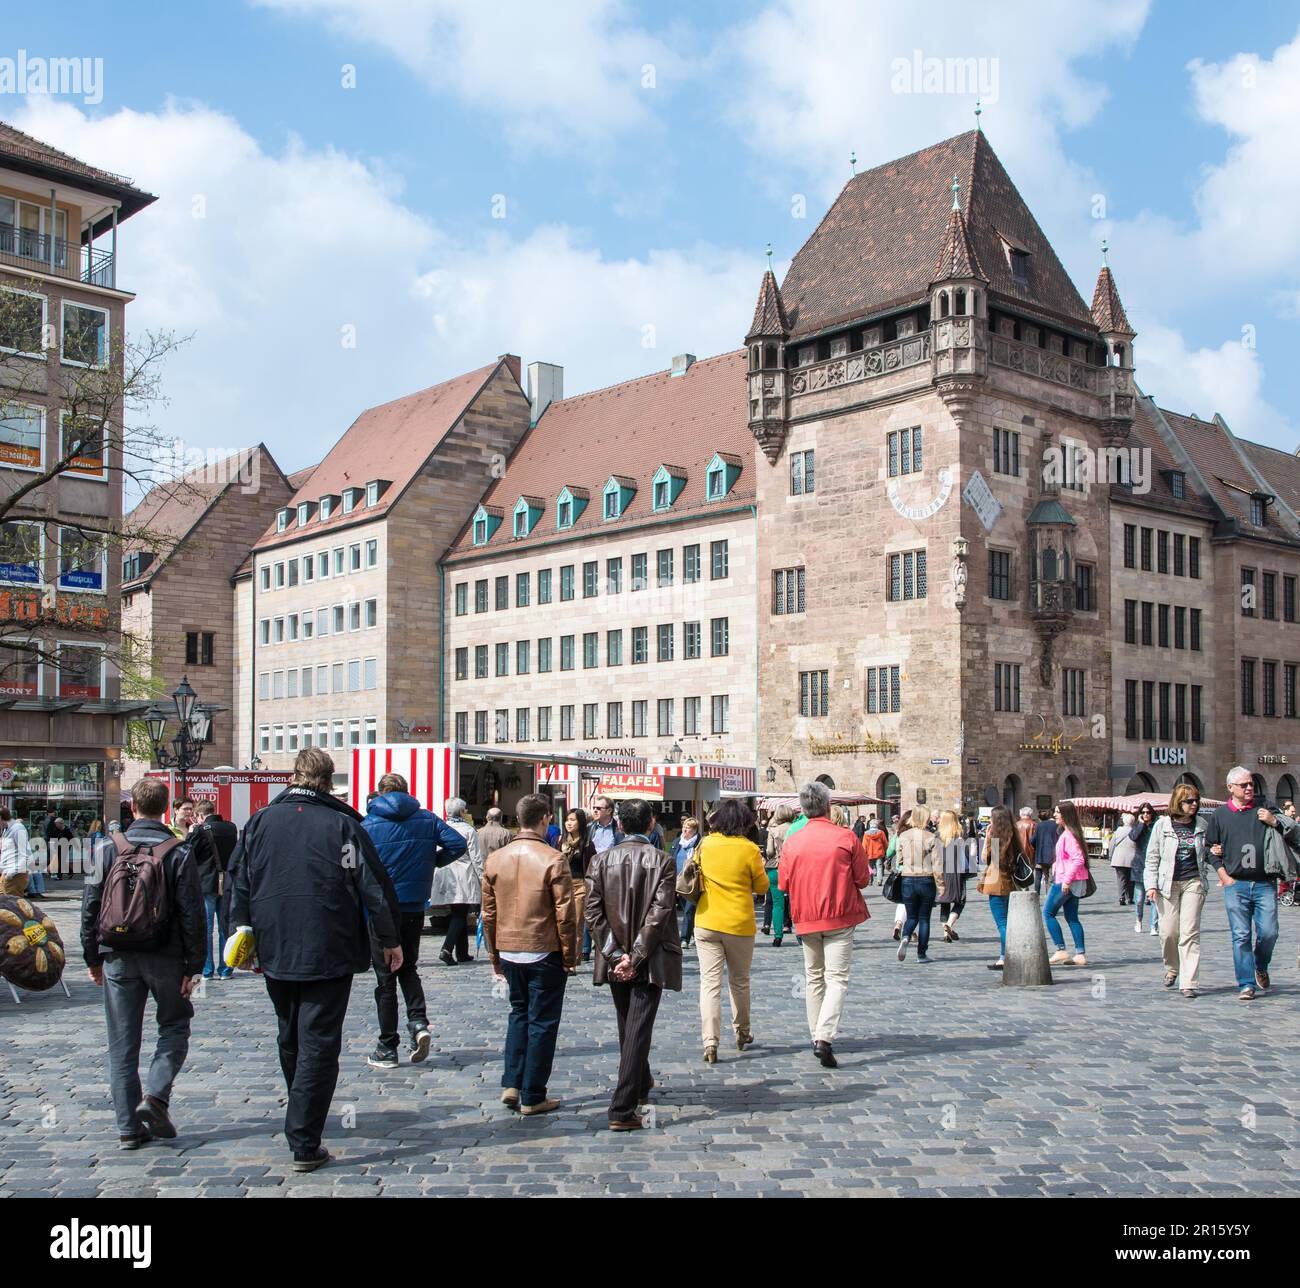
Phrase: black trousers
(637, 1005)
(457, 941)
(1124, 879)
(386, 982)
(310, 1014)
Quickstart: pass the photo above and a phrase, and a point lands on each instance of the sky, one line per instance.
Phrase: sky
(360, 198)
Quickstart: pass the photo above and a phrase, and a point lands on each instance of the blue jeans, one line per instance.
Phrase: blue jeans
(998, 905)
(686, 920)
(1251, 905)
(35, 881)
(918, 899)
(212, 917)
(1140, 899)
(536, 1001)
(1059, 899)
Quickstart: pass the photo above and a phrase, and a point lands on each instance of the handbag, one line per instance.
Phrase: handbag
(892, 889)
(690, 880)
(1022, 873)
(1083, 889)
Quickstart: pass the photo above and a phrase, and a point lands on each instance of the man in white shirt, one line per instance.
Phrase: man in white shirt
(15, 855)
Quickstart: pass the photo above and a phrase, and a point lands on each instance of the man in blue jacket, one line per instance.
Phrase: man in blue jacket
(412, 842)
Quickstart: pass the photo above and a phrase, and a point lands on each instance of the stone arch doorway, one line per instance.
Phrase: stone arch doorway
(1012, 790)
(1261, 787)
(1071, 786)
(1191, 780)
(890, 789)
(1140, 783)
(1286, 790)
(826, 781)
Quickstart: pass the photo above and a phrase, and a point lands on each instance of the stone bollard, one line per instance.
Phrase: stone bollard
(1025, 961)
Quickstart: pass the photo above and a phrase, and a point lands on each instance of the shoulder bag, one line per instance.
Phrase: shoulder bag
(690, 880)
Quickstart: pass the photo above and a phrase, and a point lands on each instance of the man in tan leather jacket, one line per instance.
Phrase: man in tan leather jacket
(631, 909)
(530, 927)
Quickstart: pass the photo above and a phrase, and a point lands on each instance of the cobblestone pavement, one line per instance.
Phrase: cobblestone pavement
(1104, 1084)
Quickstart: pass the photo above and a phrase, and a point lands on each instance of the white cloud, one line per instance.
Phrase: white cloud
(295, 245)
(562, 75)
(1228, 380)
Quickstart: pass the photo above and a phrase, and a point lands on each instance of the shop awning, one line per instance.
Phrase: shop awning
(738, 780)
(1131, 804)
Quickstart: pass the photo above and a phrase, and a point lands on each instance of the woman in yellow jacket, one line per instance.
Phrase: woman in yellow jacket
(731, 873)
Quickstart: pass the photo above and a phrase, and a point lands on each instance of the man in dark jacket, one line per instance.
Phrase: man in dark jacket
(411, 842)
(631, 906)
(167, 972)
(213, 841)
(306, 877)
(1045, 834)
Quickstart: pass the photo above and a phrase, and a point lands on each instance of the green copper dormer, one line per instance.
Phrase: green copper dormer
(487, 519)
(528, 510)
(668, 482)
(617, 496)
(721, 475)
(569, 506)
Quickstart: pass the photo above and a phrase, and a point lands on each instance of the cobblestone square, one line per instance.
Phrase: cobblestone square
(949, 1084)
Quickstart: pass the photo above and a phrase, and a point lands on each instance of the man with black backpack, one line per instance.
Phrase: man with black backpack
(142, 936)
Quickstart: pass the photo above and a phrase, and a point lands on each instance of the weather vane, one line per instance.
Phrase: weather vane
(853, 161)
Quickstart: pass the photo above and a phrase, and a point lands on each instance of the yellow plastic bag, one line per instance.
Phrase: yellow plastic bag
(240, 951)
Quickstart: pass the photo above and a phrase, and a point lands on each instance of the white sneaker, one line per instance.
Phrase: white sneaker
(1155, 930)
(1137, 928)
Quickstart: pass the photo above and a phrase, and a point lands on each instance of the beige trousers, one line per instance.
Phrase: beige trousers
(15, 885)
(827, 956)
(734, 954)
(1180, 930)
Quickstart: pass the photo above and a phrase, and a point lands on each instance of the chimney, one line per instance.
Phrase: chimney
(512, 361)
(682, 363)
(545, 386)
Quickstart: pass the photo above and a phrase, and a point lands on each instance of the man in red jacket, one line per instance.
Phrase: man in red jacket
(823, 869)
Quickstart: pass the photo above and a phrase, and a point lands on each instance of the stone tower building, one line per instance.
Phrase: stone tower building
(936, 408)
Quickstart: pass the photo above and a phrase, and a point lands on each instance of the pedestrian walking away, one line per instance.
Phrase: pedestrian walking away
(731, 874)
(1003, 847)
(823, 871)
(213, 841)
(307, 878)
(414, 845)
(1177, 874)
(142, 938)
(1069, 881)
(1247, 840)
(531, 931)
(1121, 852)
(1046, 834)
(919, 862)
(776, 907)
(954, 871)
(458, 882)
(630, 905)
(875, 841)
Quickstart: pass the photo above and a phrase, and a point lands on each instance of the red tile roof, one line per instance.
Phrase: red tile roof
(769, 312)
(1281, 469)
(1145, 436)
(877, 246)
(630, 430)
(958, 257)
(391, 441)
(1107, 311)
(298, 478)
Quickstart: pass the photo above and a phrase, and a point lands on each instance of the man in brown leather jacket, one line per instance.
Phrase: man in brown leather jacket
(530, 926)
(631, 909)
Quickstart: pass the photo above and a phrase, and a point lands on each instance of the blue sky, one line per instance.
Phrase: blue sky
(645, 155)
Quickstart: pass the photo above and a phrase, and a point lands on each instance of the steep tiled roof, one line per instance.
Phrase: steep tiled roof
(631, 428)
(391, 441)
(1225, 474)
(1146, 436)
(769, 312)
(20, 151)
(171, 510)
(878, 244)
(1281, 469)
(1107, 311)
(298, 478)
(958, 258)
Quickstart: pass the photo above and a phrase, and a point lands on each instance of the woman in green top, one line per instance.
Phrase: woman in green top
(777, 913)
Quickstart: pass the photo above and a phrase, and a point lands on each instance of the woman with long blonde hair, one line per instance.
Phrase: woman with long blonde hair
(955, 869)
(918, 864)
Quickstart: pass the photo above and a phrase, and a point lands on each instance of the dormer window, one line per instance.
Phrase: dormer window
(326, 507)
(1178, 484)
(569, 506)
(1258, 506)
(372, 493)
(564, 515)
(720, 476)
(662, 499)
(668, 482)
(617, 496)
(1019, 265)
(350, 497)
(611, 504)
(304, 513)
(484, 524)
(480, 532)
(282, 519)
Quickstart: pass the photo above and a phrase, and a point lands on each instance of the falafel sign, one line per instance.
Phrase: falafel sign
(627, 786)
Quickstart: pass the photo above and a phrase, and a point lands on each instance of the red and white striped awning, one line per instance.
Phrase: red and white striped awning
(1131, 804)
(739, 779)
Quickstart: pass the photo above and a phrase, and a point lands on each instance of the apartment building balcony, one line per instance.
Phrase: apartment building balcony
(27, 250)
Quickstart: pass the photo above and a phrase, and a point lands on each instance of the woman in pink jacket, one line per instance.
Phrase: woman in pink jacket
(1068, 876)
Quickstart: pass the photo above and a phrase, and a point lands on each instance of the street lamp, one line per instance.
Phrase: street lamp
(194, 721)
(675, 755)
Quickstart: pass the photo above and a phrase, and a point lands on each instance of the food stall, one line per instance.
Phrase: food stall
(237, 794)
(1099, 815)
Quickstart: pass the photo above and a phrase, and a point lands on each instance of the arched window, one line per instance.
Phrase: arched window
(753, 358)
(1286, 789)
(769, 356)
(1049, 564)
(888, 788)
(1261, 787)
(943, 304)
(1071, 786)
(1140, 783)
(826, 781)
(1191, 780)
(959, 302)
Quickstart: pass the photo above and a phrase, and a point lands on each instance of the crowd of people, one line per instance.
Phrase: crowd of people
(326, 893)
